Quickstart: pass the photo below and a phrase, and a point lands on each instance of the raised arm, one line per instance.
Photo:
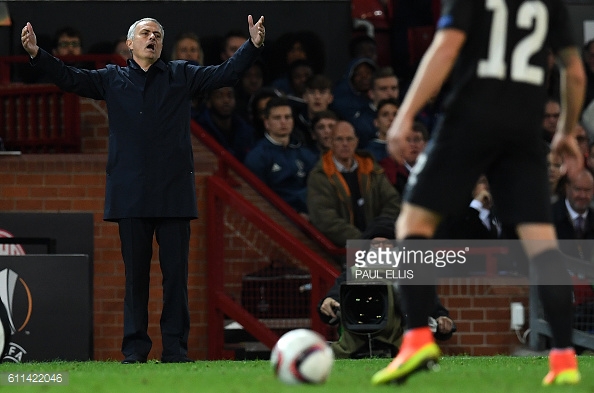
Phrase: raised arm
(29, 40)
(257, 31)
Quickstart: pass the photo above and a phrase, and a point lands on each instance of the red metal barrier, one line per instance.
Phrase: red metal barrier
(39, 119)
(222, 193)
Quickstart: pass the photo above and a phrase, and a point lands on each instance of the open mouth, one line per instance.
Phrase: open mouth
(151, 47)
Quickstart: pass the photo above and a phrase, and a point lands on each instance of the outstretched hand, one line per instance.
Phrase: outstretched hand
(29, 40)
(257, 31)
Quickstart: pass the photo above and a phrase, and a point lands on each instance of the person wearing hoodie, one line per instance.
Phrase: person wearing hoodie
(351, 93)
(347, 189)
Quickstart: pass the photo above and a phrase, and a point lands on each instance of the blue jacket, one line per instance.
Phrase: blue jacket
(150, 164)
(283, 169)
(242, 139)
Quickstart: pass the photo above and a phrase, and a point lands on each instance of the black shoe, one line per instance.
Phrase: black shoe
(133, 360)
(176, 359)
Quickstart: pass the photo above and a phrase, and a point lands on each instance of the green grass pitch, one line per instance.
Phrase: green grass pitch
(459, 374)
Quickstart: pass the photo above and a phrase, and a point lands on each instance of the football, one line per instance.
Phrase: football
(302, 356)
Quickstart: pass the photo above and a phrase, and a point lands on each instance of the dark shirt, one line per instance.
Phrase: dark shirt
(150, 165)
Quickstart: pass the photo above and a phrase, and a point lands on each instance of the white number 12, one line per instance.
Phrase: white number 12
(531, 14)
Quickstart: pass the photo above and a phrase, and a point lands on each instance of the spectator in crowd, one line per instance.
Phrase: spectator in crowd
(351, 93)
(552, 110)
(282, 164)
(67, 42)
(221, 121)
(250, 83)
(150, 188)
(187, 47)
(357, 345)
(231, 42)
(416, 142)
(257, 108)
(317, 97)
(572, 215)
(384, 84)
(347, 189)
(386, 112)
(293, 46)
(297, 75)
(322, 124)
(121, 49)
(477, 222)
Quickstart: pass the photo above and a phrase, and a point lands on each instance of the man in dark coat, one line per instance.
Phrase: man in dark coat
(150, 187)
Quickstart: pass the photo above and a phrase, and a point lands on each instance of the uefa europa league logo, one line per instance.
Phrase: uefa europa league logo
(8, 280)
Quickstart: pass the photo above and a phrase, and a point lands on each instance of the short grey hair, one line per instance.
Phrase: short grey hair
(133, 27)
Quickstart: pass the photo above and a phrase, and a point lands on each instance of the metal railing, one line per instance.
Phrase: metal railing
(222, 194)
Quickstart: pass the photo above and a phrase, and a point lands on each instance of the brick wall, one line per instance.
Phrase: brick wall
(75, 183)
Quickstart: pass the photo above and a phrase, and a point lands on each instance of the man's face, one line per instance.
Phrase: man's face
(415, 144)
(322, 132)
(384, 118)
(147, 43)
(299, 76)
(580, 191)
(317, 100)
(68, 46)
(344, 142)
(231, 46)
(384, 88)
(187, 49)
(222, 102)
(279, 122)
(361, 78)
(554, 163)
(252, 79)
(551, 116)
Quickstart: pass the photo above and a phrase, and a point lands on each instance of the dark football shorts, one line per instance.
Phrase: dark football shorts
(514, 161)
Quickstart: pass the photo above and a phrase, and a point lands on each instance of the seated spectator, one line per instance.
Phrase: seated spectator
(294, 83)
(398, 174)
(281, 164)
(356, 345)
(386, 112)
(249, 84)
(552, 110)
(347, 189)
(231, 42)
(351, 93)
(221, 121)
(322, 124)
(67, 42)
(121, 48)
(257, 108)
(295, 46)
(477, 222)
(384, 85)
(317, 97)
(187, 47)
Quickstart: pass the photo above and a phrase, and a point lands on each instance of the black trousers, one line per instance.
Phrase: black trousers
(173, 238)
